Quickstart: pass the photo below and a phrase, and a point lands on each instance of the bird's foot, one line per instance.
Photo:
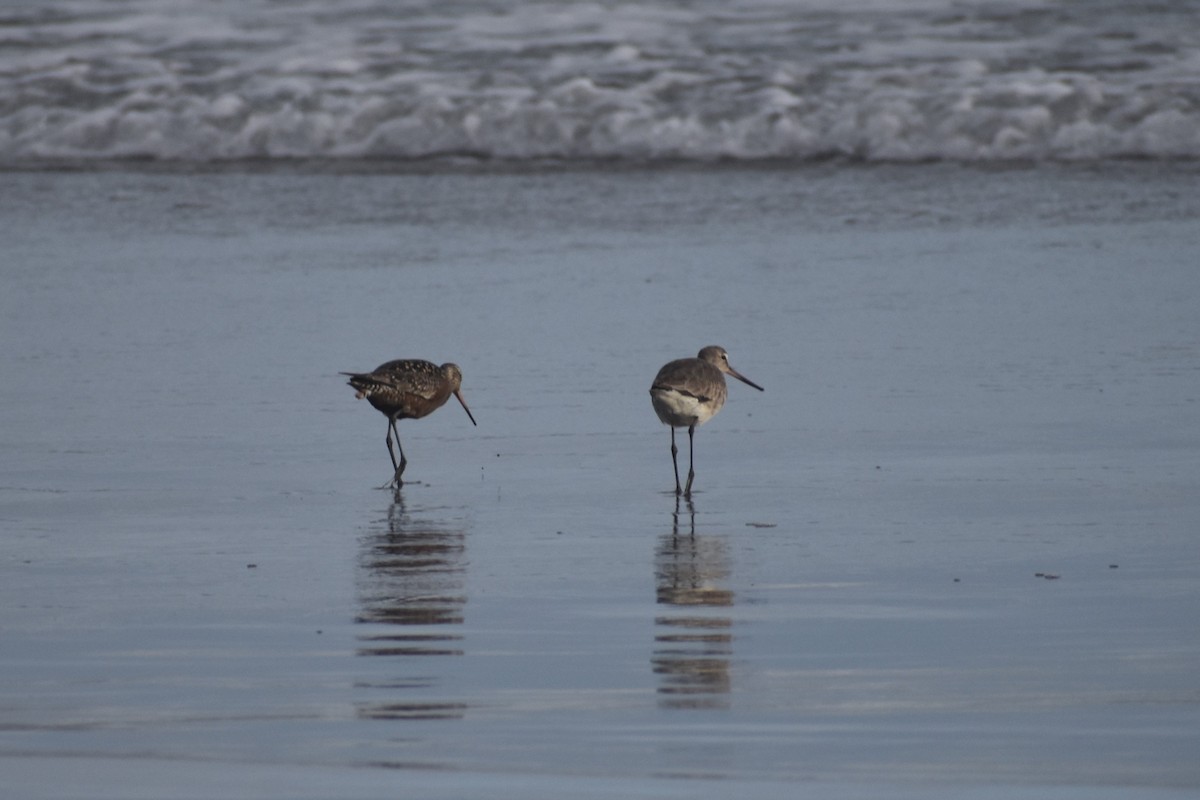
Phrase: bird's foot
(394, 483)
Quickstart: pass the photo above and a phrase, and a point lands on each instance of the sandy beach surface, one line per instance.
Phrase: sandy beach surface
(950, 551)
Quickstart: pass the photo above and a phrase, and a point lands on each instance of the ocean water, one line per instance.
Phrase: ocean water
(949, 552)
(975, 378)
(873, 80)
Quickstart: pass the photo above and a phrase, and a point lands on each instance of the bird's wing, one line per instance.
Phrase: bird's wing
(670, 387)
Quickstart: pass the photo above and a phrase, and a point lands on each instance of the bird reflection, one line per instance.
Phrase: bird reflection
(693, 645)
(411, 579)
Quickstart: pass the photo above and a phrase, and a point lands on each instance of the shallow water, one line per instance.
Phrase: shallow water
(972, 378)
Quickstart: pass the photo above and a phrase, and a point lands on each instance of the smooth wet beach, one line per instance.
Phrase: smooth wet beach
(950, 551)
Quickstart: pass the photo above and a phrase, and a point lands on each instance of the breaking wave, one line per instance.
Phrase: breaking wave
(754, 80)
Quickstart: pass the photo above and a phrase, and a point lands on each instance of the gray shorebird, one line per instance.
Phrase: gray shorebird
(407, 389)
(689, 392)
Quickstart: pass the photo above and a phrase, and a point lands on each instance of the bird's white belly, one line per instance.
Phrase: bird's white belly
(679, 409)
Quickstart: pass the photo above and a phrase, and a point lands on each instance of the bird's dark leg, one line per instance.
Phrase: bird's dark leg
(391, 452)
(403, 460)
(687, 491)
(674, 461)
(399, 468)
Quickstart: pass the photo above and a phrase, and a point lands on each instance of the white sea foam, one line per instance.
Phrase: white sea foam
(899, 80)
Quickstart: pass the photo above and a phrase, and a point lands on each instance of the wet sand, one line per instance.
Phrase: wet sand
(950, 550)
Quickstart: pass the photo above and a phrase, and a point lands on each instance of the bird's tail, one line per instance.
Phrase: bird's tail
(361, 382)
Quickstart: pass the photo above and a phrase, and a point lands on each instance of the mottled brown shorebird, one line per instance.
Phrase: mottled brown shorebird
(689, 392)
(407, 389)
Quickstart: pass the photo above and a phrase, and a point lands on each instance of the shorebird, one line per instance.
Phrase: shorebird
(689, 392)
(407, 389)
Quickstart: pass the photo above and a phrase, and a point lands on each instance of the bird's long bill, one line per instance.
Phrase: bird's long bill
(744, 379)
(464, 405)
